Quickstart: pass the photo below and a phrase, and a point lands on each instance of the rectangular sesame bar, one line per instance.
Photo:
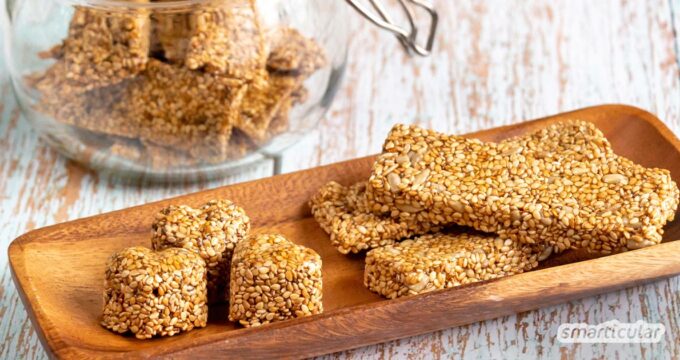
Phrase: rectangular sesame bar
(293, 53)
(188, 110)
(100, 110)
(102, 48)
(562, 185)
(218, 39)
(166, 105)
(440, 261)
(227, 40)
(261, 104)
(171, 33)
(351, 231)
(292, 58)
(341, 211)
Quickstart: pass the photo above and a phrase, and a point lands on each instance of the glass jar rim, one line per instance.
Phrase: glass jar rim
(122, 5)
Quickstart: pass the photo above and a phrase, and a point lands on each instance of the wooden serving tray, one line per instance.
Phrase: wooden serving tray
(59, 270)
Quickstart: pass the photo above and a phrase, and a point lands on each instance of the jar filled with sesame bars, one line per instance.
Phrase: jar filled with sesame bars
(171, 89)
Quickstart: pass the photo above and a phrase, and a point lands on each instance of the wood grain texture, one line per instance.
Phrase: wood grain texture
(353, 316)
(496, 62)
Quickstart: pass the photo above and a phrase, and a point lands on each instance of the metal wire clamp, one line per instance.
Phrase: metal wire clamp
(407, 37)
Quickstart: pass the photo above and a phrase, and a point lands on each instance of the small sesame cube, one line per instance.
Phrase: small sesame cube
(273, 279)
(211, 231)
(151, 293)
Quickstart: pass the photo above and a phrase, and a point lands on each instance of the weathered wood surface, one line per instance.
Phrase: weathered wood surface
(497, 62)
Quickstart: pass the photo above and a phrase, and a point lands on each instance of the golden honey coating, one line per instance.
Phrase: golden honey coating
(151, 294)
(211, 231)
(561, 186)
(440, 261)
(343, 213)
(273, 279)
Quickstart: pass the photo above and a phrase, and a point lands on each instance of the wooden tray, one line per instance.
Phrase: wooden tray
(59, 270)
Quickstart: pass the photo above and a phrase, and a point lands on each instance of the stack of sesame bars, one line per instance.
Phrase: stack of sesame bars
(440, 210)
(176, 88)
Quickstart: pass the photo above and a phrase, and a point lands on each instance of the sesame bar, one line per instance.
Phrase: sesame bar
(562, 186)
(100, 110)
(261, 105)
(188, 110)
(273, 279)
(211, 231)
(227, 40)
(102, 48)
(342, 212)
(292, 52)
(167, 105)
(149, 293)
(162, 157)
(171, 33)
(440, 261)
(291, 60)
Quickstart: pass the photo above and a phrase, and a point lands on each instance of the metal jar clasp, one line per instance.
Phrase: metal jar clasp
(407, 37)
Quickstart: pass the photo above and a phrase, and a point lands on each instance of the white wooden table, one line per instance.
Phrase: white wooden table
(496, 62)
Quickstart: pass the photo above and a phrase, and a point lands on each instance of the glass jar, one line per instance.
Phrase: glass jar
(175, 89)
